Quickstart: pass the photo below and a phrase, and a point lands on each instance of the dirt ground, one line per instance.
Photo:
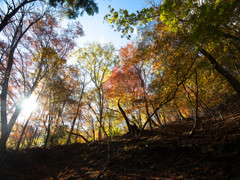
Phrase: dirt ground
(168, 153)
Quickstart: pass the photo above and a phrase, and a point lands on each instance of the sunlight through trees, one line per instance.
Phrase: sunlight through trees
(183, 65)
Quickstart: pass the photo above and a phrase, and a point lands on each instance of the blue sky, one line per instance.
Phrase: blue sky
(96, 29)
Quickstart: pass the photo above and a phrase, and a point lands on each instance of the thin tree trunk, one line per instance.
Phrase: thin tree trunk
(48, 132)
(196, 119)
(206, 107)
(93, 131)
(71, 131)
(142, 83)
(5, 127)
(77, 131)
(32, 138)
(168, 98)
(73, 123)
(21, 136)
(164, 118)
(180, 113)
(140, 119)
(125, 116)
(157, 116)
(147, 111)
(5, 20)
(104, 131)
(189, 99)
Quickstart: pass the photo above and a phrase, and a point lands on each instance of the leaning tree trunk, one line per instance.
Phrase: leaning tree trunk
(164, 119)
(157, 116)
(71, 131)
(234, 82)
(76, 134)
(32, 138)
(21, 136)
(73, 124)
(125, 116)
(133, 129)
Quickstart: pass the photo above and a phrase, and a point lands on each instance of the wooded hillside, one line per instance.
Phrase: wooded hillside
(174, 90)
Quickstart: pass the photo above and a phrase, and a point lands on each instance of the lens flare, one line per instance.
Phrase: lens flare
(29, 105)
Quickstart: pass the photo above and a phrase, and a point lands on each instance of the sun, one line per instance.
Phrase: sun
(29, 105)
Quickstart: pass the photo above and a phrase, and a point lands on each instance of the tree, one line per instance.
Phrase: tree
(98, 60)
(78, 81)
(43, 50)
(130, 82)
(19, 30)
(71, 8)
(194, 21)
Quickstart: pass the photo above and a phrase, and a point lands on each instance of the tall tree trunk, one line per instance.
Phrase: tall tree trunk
(93, 131)
(196, 119)
(124, 116)
(70, 132)
(21, 136)
(76, 115)
(32, 138)
(140, 119)
(142, 83)
(147, 111)
(5, 127)
(100, 131)
(48, 132)
(74, 121)
(77, 132)
(101, 99)
(205, 106)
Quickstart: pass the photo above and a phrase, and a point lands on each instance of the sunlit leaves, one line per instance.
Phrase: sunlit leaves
(125, 22)
(73, 8)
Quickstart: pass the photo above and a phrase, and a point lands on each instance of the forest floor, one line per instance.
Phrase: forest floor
(212, 153)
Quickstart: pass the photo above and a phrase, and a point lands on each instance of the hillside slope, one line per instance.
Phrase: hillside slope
(213, 153)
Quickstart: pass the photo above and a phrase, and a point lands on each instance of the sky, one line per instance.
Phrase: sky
(95, 29)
